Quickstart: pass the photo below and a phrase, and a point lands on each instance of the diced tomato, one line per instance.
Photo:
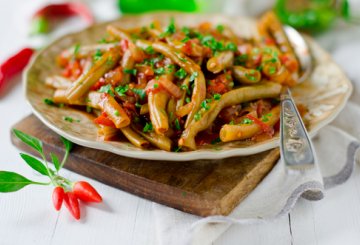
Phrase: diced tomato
(221, 84)
(269, 41)
(206, 138)
(150, 86)
(104, 120)
(73, 70)
(114, 77)
(129, 105)
(62, 61)
(98, 84)
(205, 26)
(124, 44)
(290, 62)
(187, 48)
(146, 70)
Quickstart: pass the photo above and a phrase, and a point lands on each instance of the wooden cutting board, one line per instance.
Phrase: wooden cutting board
(202, 187)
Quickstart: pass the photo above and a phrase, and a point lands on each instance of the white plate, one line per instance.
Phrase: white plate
(325, 93)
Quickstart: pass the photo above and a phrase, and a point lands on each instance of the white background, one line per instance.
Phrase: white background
(28, 217)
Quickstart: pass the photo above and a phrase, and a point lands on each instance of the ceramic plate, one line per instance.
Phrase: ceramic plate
(325, 93)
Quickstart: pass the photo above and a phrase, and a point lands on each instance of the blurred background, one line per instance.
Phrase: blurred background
(37, 22)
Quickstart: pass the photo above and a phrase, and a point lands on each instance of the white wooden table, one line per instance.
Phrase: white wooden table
(27, 216)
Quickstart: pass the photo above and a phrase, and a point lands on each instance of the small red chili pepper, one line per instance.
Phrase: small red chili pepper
(58, 197)
(72, 204)
(14, 65)
(264, 127)
(40, 24)
(85, 192)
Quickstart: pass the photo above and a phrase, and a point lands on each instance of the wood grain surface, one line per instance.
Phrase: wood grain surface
(202, 187)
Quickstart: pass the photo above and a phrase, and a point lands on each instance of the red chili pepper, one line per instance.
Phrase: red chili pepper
(60, 10)
(72, 204)
(85, 192)
(58, 197)
(264, 127)
(14, 65)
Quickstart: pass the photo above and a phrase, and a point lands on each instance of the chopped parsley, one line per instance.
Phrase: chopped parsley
(197, 116)
(116, 113)
(152, 25)
(106, 89)
(216, 141)
(109, 61)
(156, 85)
(76, 49)
(193, 76)
(187, 100)
(247, 121)
(231, 47)
(205, 104)
(182, 59)
(181, 73)
(137, 105)
(177, 149)
(159, 71)
(98, 54)
(88, 109)
(140, 92)
(265, 118)
(102, 40)
(232, 122)
(272, 70)
(186, 30)
(220, 28)
(130, 71)
(250, 77)
(177, 124)
(217, 96)
(186, 88)
(170, 29)
(121, 90)
(70, 119)
(49, 101)
(149, 50)
(148, 127)
(241, 59)
(185, 39)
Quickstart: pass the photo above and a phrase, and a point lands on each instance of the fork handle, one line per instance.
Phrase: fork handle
(296, 149)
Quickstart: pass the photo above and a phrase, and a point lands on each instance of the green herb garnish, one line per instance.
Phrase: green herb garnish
(181, 73)
(121, 90)
(159, 71)
(193, 76)
(177, 124)
(148, 127)
(107, 89)
(97, 55)
(149, 50)
(197, 116)
(130, 71)
(140, 92)
(217, 96)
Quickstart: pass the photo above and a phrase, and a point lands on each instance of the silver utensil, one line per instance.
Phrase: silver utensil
(296, 148)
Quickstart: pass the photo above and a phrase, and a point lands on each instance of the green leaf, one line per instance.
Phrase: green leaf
(68, 144)
(55, 161)
(10, 181)
(33, 142)
(35, 164)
